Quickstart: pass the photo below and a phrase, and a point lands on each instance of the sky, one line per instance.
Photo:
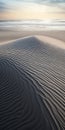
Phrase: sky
(32, 9)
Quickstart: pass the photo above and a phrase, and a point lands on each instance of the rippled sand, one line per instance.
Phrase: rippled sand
(32, 85)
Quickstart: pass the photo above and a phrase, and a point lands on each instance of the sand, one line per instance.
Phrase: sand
(52, 41)
(32, 84)
(12, 34)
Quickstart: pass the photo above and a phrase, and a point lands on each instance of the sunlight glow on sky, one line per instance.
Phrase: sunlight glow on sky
(32, 9)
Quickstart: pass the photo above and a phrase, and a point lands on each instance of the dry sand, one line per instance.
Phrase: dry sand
(32, 85)
(51, 41)
(7, 35)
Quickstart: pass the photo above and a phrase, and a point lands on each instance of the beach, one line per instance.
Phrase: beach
(32, 80)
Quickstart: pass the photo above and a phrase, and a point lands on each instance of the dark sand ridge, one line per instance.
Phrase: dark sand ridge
(32, 84)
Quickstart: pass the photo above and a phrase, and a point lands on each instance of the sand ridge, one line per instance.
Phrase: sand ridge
(46, 39)
(32, 84)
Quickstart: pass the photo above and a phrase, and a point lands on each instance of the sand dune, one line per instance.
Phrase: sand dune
(52, 41)
(45, 39)
(32, 84)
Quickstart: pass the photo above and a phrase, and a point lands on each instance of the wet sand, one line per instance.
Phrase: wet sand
(32, 85)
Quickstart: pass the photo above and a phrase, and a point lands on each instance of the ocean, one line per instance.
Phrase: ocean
(33, 24)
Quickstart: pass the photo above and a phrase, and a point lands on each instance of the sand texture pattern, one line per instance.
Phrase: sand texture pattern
(32, 85)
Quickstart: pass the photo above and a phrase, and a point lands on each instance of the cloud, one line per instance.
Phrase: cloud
(3, 7)
(6, 5)
(42, 1)
(45, 2)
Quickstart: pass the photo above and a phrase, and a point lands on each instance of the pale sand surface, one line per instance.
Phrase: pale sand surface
(7, 35)
(52, 41)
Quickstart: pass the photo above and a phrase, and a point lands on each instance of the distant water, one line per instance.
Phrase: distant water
(34, 24)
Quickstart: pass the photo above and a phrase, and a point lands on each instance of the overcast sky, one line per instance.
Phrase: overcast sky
(32, 9)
